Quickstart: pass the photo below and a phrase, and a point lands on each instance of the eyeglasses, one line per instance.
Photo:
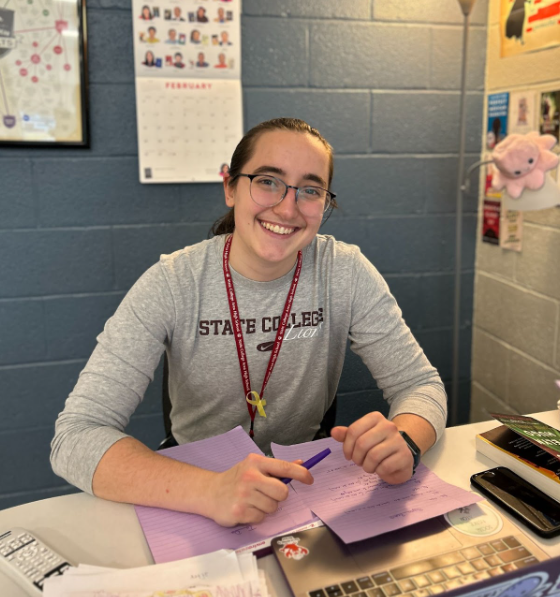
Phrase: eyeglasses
(268, 191)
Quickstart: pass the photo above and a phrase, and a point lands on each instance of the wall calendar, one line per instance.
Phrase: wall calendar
(188, 88)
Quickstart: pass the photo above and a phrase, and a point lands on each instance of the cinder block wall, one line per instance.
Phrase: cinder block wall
(379, 79)
(516, 350)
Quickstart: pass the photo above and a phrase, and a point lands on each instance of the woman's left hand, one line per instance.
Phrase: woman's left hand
(375, 444)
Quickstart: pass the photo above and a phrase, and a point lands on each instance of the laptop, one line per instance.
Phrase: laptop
(449, 552)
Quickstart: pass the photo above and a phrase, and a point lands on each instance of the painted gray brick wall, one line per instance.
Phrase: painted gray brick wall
(380, 81)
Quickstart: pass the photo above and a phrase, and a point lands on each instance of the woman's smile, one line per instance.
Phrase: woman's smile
(279, 229)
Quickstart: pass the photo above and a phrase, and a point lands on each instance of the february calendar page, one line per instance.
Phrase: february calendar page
(188, 88)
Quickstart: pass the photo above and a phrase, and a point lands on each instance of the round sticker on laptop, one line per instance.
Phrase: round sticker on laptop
(475, 520)
(291, 548)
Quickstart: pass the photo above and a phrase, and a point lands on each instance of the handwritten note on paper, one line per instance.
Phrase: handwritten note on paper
(177, 535)
(357, 505)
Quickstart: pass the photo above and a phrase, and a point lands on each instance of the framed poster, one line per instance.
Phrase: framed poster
(43, 73)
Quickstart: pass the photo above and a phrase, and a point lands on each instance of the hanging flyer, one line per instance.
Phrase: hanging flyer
(491, 221)
(497, 119)
(489, 170)
(549, 122)
(187, 60)
(511, 227)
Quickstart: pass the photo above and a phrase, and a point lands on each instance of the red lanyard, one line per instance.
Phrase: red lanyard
(255, 401)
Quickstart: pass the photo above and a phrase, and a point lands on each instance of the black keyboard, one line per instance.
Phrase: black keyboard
(439, 573)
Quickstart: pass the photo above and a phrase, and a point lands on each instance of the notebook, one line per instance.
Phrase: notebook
(449, 552)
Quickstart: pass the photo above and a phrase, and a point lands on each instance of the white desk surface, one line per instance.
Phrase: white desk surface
(89, 530)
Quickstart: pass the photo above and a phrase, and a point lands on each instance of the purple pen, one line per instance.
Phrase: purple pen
(311, 462)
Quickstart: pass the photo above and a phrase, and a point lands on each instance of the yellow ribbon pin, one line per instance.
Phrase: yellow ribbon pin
(259, 402)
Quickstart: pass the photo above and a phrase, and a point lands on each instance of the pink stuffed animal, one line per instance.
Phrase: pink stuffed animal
(521, 161)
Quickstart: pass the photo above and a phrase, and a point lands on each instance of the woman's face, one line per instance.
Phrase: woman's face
(146, 13)
(149, 58)
(298, 159)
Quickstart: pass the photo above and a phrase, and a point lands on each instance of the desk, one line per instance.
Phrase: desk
(88, 530)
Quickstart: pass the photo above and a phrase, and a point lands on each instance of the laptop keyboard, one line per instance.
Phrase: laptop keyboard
(438, 573)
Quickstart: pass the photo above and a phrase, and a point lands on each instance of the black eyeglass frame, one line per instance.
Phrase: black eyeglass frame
(330, 195)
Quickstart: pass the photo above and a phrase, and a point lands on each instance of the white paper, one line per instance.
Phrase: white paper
(217, 568)
(522, 118)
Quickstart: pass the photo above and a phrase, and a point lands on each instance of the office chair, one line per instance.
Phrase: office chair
(327, 423)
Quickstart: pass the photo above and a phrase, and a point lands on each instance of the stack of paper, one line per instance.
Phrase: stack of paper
(352, 503)
(222, 573)
(176, 535)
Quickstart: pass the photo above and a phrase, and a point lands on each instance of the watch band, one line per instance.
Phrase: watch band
(416, 453)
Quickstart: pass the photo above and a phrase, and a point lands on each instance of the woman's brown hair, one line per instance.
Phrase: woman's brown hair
(244, 152)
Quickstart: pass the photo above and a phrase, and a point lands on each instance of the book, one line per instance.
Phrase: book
(542, 435)
(524, 454)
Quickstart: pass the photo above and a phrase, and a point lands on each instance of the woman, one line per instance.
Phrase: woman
(266, 266)
(195, 36)
(149, 59)
(201, 15)
(146, 13)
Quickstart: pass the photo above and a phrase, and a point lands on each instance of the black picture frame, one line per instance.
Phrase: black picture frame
(43, 74)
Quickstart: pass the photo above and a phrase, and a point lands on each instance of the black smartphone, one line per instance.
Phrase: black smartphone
(529, 505)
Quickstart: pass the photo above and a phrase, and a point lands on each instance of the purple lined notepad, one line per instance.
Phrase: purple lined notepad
(357, 505)
(175, 535)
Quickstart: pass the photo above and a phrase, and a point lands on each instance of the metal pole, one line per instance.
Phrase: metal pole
(454, 405)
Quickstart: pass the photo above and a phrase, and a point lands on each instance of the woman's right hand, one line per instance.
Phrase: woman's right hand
(251, 489)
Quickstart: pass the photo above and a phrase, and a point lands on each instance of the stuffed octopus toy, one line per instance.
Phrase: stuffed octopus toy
(521, 162)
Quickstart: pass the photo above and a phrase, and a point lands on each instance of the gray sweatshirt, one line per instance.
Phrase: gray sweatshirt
(180, 305)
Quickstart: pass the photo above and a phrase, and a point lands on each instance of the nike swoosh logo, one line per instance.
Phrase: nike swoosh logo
(265, 346)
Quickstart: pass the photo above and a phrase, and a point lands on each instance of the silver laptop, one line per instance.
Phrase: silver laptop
(445, 553)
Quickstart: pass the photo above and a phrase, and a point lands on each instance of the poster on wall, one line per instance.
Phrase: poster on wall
(511, 228)
(549, 120)
(523, 112)
(491, 221)
(528, 26)
(489, 170)
(43, 94)
(497, 126)
(188, 88)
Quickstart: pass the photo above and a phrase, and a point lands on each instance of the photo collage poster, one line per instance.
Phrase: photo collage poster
(40, 72)
(188, 88)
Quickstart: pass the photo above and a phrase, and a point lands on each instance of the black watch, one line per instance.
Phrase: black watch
(413, 448)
